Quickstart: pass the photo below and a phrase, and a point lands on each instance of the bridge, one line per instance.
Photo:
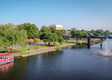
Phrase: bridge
(102, 38)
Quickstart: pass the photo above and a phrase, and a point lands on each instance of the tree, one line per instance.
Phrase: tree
(107, 33)
(31, 29)
(21, 37)
(10, 36)
(51, 35)
(83, 34)
(60, 39)
(75, 33)
(44, 32)
(45, 29)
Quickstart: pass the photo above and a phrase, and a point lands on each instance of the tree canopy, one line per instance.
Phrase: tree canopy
(50, 34)
(10, 35)
(31, 29)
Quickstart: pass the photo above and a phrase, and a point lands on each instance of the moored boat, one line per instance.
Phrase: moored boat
(6, 58)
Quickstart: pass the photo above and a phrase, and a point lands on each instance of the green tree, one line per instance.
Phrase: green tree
(31, 29)
(75, 33)
(83, 33)
(11, 36)
(51, 35)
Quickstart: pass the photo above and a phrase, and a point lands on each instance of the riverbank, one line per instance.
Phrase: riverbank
(45, 49)
(42, 50)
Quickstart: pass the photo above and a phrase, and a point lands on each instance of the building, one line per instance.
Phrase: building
(59, 27)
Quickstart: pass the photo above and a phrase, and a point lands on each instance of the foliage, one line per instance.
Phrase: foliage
(84, 33)
(31, 29)
(100, 32)
(10, 36)
(51, 35)
(78, 33)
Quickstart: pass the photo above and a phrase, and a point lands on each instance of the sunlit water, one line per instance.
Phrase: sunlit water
(69, 64)
(107, 48)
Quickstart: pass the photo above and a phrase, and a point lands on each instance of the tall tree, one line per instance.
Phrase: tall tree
(31, 29)
(51, 35)
(11, 36)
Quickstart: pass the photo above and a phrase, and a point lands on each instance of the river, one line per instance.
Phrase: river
(68, 64)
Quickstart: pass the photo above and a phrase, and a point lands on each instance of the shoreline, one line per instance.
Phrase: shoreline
(43, 50)
(47, 49)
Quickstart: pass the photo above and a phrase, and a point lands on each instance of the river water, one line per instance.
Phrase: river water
(68, 64)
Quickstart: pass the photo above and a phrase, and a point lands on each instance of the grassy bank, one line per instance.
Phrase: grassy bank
(25, 52)
(34, 50)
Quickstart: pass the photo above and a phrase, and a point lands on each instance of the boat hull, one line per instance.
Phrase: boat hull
(6, 61)
(6, 58)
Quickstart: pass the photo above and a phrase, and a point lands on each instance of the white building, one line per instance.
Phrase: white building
(59, 27)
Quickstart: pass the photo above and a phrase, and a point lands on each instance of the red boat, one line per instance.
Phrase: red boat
(6, 58)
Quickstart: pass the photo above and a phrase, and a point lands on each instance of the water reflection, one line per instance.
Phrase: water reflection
(106, 49)
(6, 67)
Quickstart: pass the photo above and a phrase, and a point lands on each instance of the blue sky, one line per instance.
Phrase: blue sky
(86, 14)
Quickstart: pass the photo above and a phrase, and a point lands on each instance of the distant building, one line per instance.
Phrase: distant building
(59, 27)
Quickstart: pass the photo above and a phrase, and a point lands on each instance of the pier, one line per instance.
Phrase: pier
(102, 38)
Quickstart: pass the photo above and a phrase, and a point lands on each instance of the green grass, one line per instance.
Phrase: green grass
(23, 50)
